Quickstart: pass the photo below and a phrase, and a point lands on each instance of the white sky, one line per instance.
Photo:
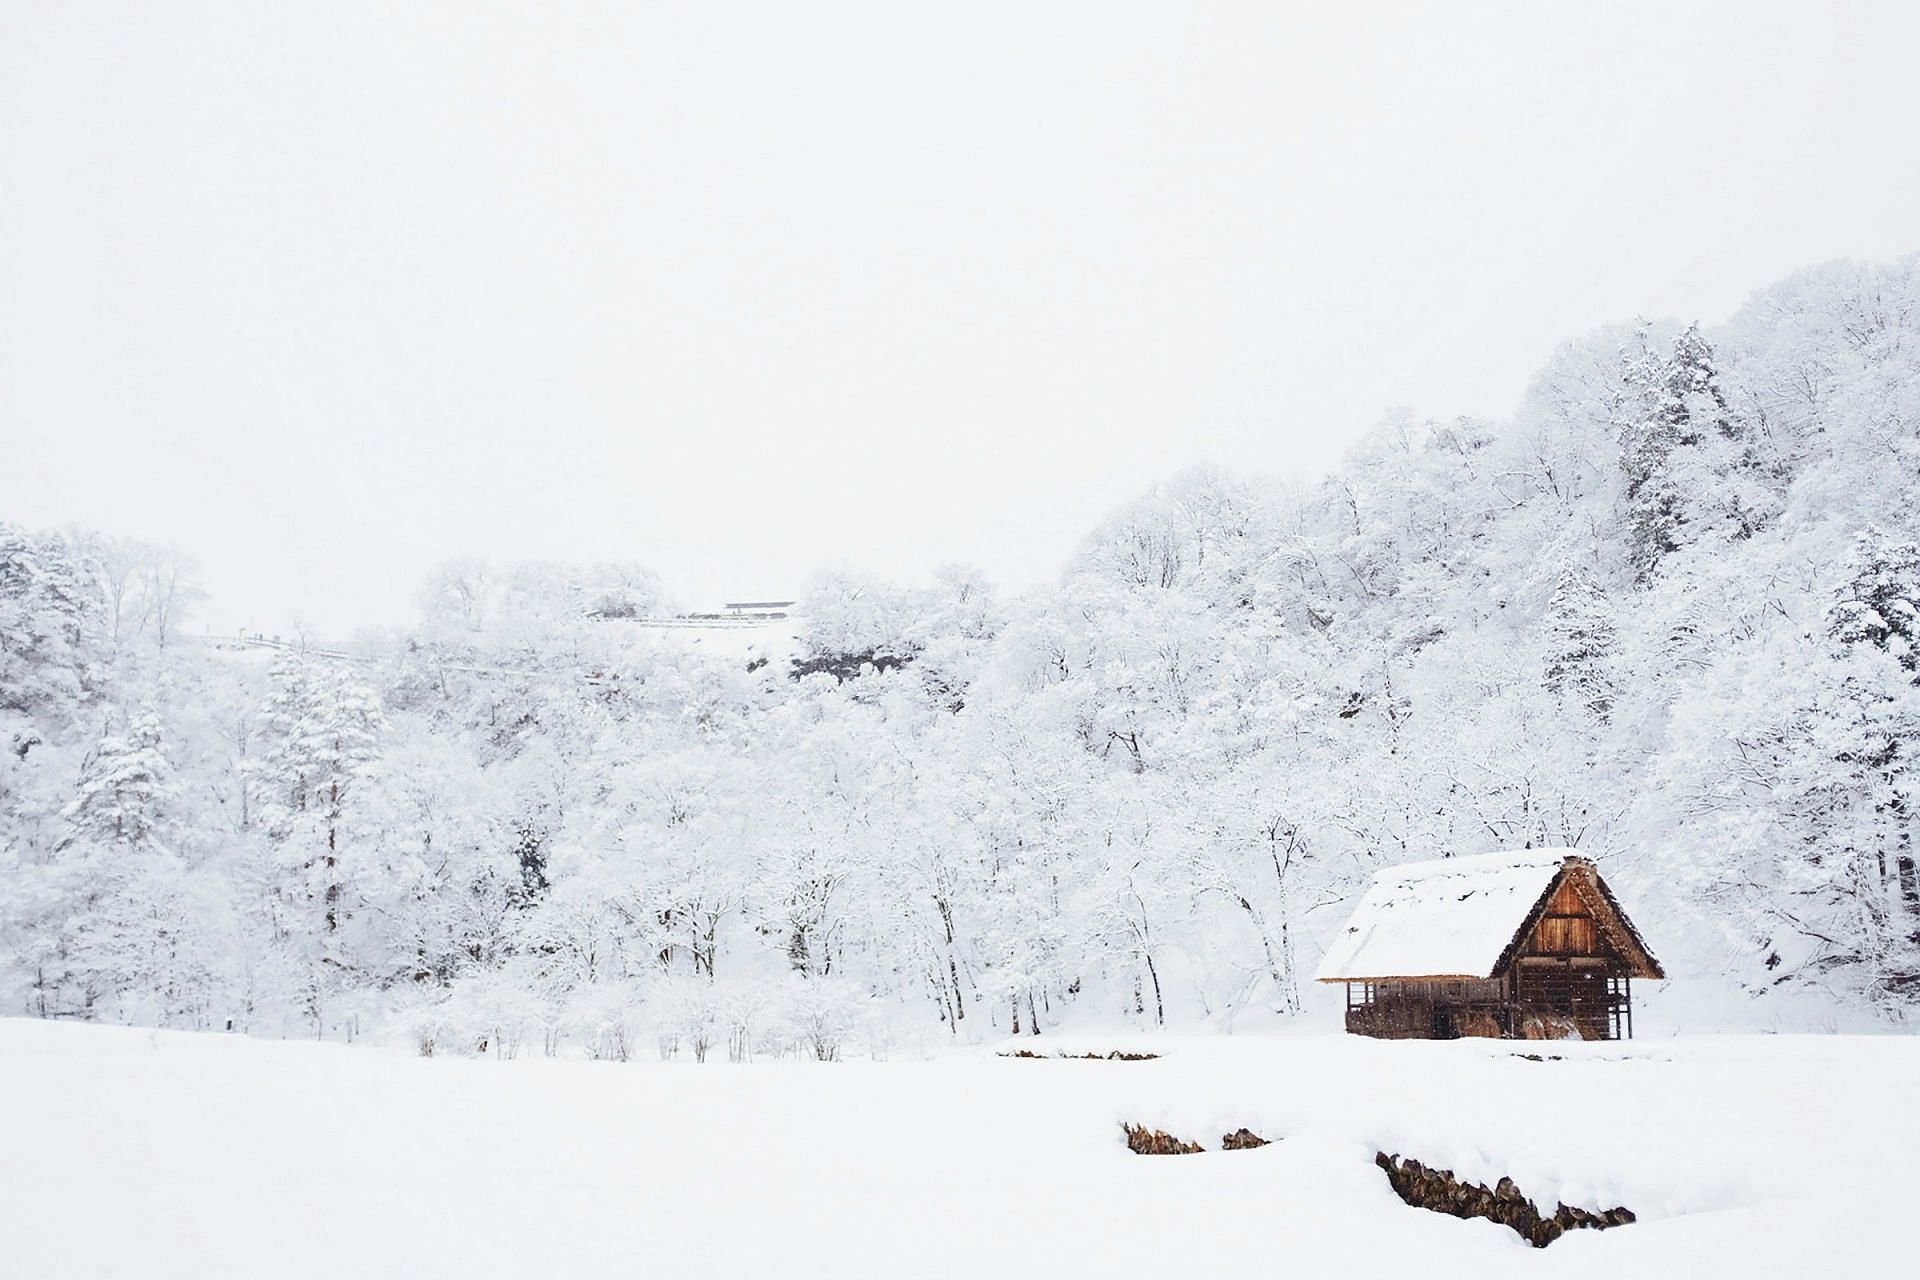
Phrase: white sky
(325, 293)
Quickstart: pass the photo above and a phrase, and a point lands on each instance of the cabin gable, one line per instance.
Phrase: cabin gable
(1577, 920)
(1566, 927)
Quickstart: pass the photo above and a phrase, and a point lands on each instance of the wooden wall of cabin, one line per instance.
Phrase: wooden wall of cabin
(1567, 928)
(1565, 964)
(1439, 1009)
(1444, 1010)
(1583, 993)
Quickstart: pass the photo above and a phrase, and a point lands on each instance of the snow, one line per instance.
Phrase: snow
(164, 1154)
(1449, 918)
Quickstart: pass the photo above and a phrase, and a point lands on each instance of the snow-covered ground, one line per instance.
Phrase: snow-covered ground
(157, 1154)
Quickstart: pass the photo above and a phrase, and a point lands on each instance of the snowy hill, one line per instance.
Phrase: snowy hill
(1663, 615)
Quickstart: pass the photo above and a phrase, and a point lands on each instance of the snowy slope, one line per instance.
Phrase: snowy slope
(160, 1154)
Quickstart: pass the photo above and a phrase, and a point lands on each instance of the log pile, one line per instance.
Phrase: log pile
(1118, 1055)
(1505, 1203)
(1143, 1141)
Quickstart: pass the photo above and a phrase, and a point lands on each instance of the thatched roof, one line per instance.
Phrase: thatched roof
(1466, 917)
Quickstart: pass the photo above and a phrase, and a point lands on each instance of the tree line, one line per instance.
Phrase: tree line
(1666, 614)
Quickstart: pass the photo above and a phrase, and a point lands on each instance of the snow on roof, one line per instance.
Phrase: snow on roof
(1451, 918)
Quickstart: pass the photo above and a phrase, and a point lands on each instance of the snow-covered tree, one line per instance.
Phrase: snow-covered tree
(126, 783)
(1879, 603)
(1579, 638)
(49, 621)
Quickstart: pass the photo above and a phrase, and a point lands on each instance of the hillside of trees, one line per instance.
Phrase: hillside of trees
(1666, 614)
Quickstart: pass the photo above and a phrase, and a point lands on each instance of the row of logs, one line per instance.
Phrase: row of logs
(1505, 1203)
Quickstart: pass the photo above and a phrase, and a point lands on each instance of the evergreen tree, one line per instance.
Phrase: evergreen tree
(1580, 643)
(123, 790)
(322, 729)
(113, 846)
(1693, 402)
(49, 610)
(1675, 428)
(1649, 431)
(340, 739)
(279, 772)
(1879, 604)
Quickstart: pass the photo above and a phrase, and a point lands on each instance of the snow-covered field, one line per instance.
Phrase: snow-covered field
(158, 1154)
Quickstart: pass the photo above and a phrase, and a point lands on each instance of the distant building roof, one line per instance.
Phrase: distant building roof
(757, 604)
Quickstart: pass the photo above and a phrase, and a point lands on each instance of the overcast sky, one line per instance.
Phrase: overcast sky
(326, 293)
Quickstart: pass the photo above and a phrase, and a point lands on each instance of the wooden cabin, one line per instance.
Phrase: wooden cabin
(1523, 945)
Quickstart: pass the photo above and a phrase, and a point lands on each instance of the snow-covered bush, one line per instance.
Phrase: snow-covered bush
(496, 1013)
(817, 1016)
(682, 1008)
(604, 1018)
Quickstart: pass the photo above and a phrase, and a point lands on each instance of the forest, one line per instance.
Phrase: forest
(1666, 614)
